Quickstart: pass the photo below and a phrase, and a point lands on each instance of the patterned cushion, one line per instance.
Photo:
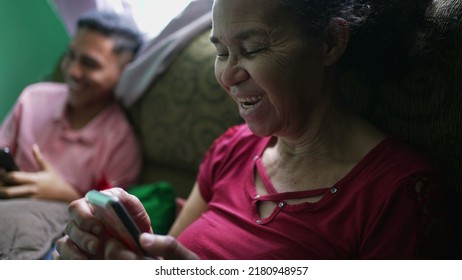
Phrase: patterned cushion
(181, 114)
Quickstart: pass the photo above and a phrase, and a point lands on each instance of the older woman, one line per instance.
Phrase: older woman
(305, 177)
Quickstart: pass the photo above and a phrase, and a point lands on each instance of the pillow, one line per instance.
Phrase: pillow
(159, 200)
(30, 227)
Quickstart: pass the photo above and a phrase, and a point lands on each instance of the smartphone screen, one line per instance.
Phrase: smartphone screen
(116, 219)
(6, 160)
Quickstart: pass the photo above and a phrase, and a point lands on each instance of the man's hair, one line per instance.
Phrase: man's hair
(119, 26)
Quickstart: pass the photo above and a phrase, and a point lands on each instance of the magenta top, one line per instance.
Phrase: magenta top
(386, 207)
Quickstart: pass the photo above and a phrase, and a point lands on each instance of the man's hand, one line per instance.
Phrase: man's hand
(44, 184)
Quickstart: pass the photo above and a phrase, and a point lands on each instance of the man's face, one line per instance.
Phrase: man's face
(92, 69)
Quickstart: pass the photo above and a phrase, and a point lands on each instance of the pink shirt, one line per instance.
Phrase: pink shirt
(386, 207)
(105, 148)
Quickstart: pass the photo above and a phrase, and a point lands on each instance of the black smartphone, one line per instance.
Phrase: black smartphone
(117, 221)
(6, 160)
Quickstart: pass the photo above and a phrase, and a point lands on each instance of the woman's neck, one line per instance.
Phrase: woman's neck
(323, 137)
(322, 156)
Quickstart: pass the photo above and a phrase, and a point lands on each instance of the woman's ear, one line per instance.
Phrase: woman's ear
(336, 38)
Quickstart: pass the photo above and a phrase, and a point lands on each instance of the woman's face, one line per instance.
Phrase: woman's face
(272, 71)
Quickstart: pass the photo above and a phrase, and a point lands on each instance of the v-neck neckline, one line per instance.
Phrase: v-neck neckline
(279, 198)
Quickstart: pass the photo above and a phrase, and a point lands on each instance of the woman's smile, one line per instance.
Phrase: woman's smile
(249, 102)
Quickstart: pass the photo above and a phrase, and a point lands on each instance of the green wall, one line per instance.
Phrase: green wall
(32, 40)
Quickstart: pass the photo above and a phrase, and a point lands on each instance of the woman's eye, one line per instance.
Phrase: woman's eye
(251, 53)
(222, 56)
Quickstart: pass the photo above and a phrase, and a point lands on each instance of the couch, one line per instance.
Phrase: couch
(180, 114)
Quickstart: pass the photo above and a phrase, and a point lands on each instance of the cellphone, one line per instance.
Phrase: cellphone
(117, 221)
(7, 161)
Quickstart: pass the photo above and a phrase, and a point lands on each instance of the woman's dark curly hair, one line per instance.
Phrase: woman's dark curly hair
(382, 31)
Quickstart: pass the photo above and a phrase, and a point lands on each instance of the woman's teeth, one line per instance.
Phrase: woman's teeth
(248, 102)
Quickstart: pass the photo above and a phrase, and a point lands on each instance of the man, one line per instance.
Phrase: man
(70, 138)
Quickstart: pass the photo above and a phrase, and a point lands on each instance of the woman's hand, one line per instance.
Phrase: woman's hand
(44, 184)
(154, 246)
(84, 234)
(86, 237)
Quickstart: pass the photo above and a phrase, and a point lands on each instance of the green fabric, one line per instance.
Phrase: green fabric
(159, 200)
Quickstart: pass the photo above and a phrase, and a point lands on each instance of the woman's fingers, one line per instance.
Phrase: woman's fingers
(85, 241)
(166, 247)
(134, 208)
(67, 250)
(115, 250)
(84, 229)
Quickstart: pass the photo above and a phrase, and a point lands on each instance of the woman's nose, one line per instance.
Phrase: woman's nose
(233, 73)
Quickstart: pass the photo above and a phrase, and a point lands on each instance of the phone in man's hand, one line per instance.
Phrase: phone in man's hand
(116, 219)
(6, 160)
